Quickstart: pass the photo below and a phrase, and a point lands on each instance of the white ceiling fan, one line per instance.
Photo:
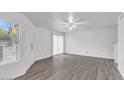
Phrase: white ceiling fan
(70, 22)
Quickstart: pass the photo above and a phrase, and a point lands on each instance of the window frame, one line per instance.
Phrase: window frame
(17, 49)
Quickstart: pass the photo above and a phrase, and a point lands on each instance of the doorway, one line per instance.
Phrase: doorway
(58, 44)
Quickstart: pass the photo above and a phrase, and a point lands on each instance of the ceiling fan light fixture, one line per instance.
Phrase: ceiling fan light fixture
(70, 28)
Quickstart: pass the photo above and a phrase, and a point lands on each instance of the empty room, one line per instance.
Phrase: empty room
(61, 46)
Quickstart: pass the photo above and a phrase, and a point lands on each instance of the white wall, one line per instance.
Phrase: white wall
(30, 34)
(121, 44)
(97, 42)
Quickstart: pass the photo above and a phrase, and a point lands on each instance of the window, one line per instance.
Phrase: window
(9, 42)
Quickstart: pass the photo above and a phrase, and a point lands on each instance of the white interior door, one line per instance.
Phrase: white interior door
(58, 44)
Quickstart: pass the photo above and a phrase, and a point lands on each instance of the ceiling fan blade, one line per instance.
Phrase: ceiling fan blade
(60, 26)
(81, 25)
(69, 18)
(80, 20)
(59, 21)
(65, 20)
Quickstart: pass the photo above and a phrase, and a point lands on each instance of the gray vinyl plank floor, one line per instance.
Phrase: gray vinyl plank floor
(72, 67)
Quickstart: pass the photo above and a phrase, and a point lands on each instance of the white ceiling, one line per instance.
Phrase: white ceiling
(54, 20)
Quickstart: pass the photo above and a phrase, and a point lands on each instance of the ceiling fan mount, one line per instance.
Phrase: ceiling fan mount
(70, 22)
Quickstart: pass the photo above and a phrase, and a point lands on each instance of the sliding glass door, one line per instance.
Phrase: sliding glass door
(58, 44)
